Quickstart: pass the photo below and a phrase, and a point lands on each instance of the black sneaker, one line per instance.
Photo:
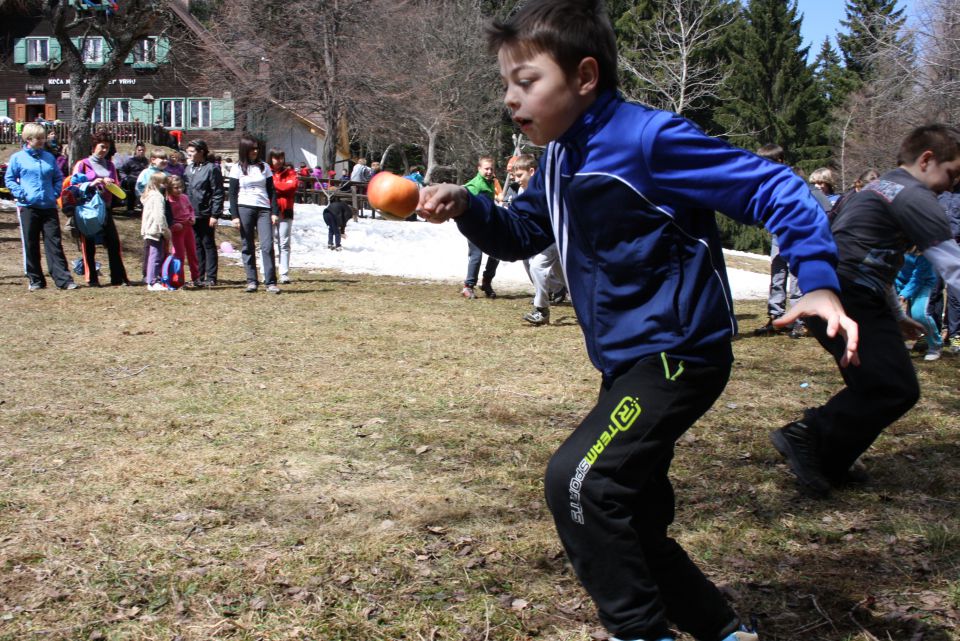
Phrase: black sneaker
(768, 329)
(558, 296)
(797, 442)
(856, 474)
(487, 289)
(539, 316)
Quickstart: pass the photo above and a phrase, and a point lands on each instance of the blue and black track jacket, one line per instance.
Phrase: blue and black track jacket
(629, 194)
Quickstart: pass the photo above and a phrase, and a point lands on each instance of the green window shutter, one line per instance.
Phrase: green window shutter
(3, 108)
(139, 110)
(107, 49)
(129, 59)
(53, 47)
(221, 114)
(163, 49)
(20, 51)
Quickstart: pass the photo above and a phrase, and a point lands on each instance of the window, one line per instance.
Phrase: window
(119, 110)
(38, 50)
(145, 50)
(171, 113)
(200, 114)
(99, 114)
(92, 51)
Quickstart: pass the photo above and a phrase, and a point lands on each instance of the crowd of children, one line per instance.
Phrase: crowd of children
(181, 204)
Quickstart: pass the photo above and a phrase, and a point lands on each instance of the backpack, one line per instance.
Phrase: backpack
(91, 216)
(171, 274)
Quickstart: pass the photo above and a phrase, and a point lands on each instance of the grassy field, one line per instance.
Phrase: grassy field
(361, 457)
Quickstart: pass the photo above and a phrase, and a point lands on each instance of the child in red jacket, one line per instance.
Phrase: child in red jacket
(184, 242)
(285, 183)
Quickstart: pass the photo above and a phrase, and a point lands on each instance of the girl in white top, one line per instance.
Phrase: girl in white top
(253, 207)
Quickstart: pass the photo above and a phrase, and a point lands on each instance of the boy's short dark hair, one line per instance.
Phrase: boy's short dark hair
(567, 30)
(942, 140)
(772, 151)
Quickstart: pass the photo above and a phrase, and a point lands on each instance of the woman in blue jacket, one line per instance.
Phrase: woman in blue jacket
(34, 180)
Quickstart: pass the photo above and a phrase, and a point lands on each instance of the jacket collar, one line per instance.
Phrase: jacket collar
(596, 115)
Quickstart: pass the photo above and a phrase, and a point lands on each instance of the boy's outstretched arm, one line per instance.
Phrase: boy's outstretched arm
(825, 304)
(440, 203)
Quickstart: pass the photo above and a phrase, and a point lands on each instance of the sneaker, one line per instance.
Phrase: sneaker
(284, 280)
(768, 329)
(856, 474)
(954, 343)
(250, 288)
(70, 286)
(539, 316)
(487, 289)
(932, 355)
(209, 283)
(338, 248)
(34, 287)
(743, 634)
(468, 292)
(156, 287)
(797, 443)
(330, 246)
(558, 296)
(273, 289)
(798, 330)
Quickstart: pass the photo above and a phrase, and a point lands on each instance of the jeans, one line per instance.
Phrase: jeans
(779, 279)
(111, 242)
(474, 256)
(281, 232)
(920, 312)
(206, 246)
(255, 221)
(153, 257)
(612, 501)
(33, 223)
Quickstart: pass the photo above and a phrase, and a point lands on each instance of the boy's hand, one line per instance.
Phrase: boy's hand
(911, 329)
(439, 203)
(825, 304)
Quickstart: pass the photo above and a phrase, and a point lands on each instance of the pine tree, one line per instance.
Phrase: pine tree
(772, 95)
(836, 81)
(871, 24)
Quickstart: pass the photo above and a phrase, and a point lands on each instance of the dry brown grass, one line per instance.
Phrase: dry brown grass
(361, 458)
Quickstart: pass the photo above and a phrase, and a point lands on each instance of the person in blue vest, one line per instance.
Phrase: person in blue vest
(35, 180)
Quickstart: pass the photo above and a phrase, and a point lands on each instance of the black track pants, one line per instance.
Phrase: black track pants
(877, 393)
(608, 489)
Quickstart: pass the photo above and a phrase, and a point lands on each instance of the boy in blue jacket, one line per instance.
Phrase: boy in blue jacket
(34, 181)
(628, 193)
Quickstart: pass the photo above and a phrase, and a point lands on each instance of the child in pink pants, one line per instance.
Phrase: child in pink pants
(184, 242)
